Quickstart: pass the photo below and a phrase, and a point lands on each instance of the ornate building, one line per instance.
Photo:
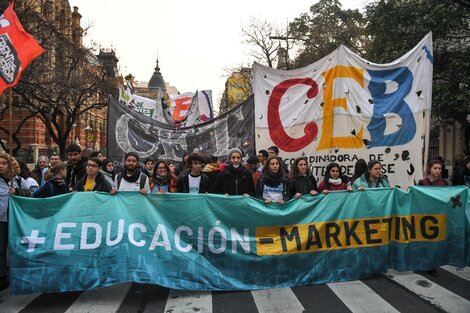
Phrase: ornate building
(69, 85)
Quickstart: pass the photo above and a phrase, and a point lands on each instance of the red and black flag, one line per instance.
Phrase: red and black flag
(17, 49)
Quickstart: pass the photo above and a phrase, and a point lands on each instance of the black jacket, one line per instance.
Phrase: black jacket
(101, 184)
(51, 188)
(260, 189)
(240, 184)
(183, 183)
(303, 185)
(75, 173)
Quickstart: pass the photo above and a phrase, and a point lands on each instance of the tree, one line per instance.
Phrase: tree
(238, 87)
(325, 28)
(397, 26)
(67, 80)
(258, 33)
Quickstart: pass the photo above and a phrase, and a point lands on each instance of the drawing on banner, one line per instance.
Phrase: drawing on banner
(149, 138)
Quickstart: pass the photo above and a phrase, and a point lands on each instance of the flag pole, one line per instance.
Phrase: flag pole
(10, 140)
(10, 109)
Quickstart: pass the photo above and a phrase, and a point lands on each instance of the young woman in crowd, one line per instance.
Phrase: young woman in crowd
(359, 169)
(333, 180)
(55, 182)
(93, 180)
(107, 169)
(434, 174)
(272, 185)
(235, 179)
(301, 182)
(10, 184)
(372, 178)
(162, 180)
(25, 173)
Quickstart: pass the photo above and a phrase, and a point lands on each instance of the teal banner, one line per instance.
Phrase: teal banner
(83, 241)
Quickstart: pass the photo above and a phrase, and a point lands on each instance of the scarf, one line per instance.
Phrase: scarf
(272, 179)
(335, 182)
(161, 181)
(235, 171)
(133, 178)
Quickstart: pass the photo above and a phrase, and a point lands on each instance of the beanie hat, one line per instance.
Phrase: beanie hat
(235, 150)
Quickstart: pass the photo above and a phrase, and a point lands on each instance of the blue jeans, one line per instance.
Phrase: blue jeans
(3, 248)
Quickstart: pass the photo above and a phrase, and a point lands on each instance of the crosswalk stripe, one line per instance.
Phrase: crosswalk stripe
(183, 301)
(103, 300)
(429, 291)
(358, 297)
(461, 272)
(277, 300)
(14, 304)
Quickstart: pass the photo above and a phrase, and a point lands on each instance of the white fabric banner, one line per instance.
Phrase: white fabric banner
(192, 108)
(146, 106)
(343, 108)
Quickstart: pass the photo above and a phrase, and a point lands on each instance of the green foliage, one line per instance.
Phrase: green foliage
(325, 28)
(397, 26)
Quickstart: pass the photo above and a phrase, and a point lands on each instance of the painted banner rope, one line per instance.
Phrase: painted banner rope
(82, 241)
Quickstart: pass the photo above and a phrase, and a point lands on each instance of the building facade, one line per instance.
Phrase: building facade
(72, 107)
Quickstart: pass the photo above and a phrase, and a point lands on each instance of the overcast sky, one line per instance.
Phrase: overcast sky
(194, 40)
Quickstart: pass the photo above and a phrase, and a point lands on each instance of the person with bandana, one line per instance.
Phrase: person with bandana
(272, 185)
(235, 179)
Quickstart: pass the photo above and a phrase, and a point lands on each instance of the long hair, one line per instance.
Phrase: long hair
(25, 172)
(370, 165)
(13, 166)
(431, 163)
(326, 179)
(281, 169)
(169, 174)
(294, 173)
(359, 169)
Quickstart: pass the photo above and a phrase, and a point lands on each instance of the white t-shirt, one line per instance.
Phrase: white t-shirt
(273, 193)
(127, 186)
(194, 182)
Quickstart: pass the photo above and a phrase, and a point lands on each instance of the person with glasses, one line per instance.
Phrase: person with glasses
(162, 180)
(333, 180)
(194, 181)
(93, 180)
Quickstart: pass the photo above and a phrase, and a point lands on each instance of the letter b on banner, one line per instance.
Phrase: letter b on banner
(391, 103)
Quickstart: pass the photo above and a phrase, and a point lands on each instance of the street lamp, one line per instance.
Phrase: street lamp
(286, 38)
(287, 47)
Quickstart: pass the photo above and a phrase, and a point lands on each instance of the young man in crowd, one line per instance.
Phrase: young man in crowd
(252, 165)
(93, 180)
(194, 181)
(235, 178)
(262, 157)
(76, 167)
(131, 178)
(99, 155)
(148, 167)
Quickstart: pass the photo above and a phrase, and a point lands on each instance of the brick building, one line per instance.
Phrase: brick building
(89, 129)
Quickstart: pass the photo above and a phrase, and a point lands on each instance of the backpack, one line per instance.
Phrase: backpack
(142, 178)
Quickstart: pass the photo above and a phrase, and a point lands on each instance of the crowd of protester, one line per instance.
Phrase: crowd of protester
(264, 176)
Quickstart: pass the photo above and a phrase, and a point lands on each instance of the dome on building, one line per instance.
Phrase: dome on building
(157, 82)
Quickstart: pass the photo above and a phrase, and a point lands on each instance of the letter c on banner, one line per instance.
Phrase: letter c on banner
(276, 130)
